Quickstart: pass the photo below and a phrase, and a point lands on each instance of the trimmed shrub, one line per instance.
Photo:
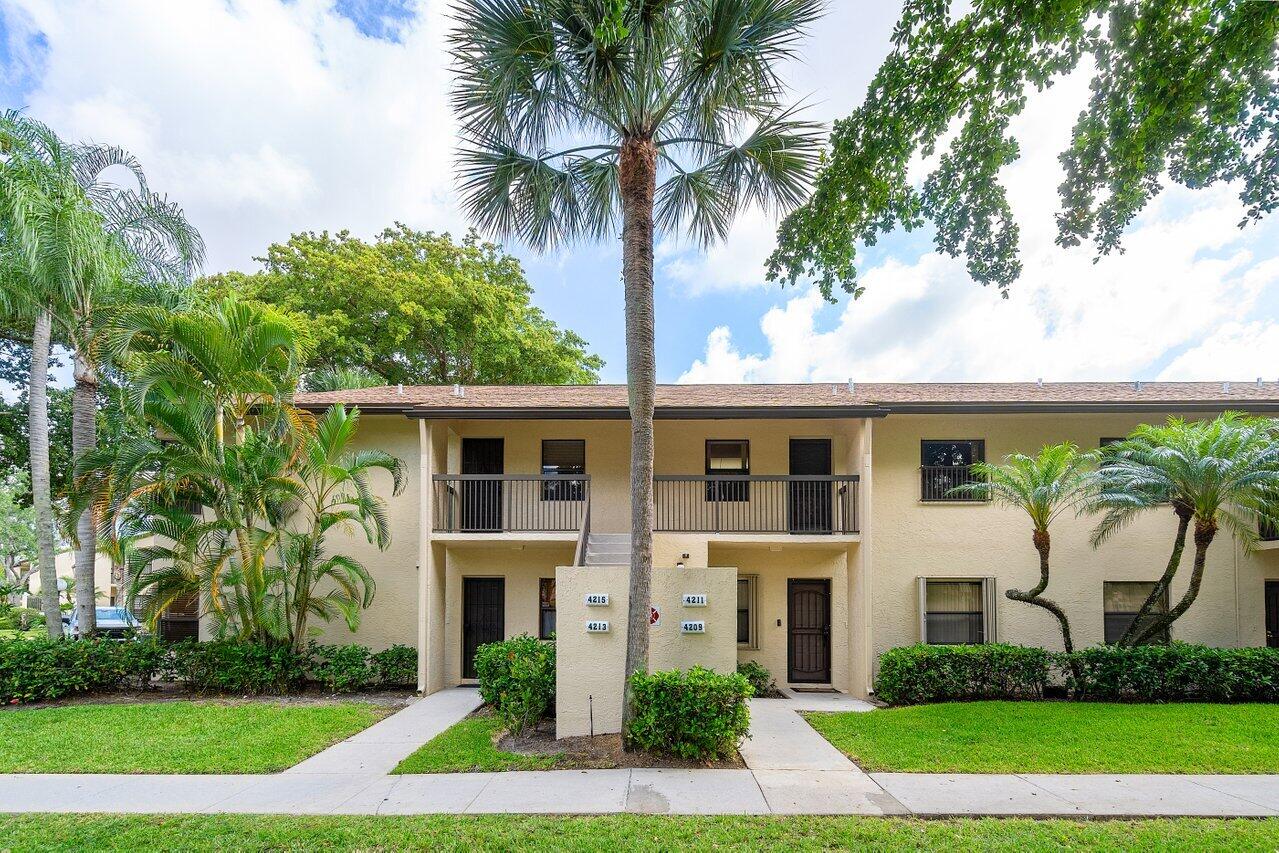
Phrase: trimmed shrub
(761, 680)
(1176, 671)
(517, 677)
(396, 666)
(231, 666)
(40, 670)
(698, 714)
(341, 669)
(910, 675)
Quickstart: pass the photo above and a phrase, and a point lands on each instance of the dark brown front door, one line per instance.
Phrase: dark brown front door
(810, 500)
(482, 499)
(483, 617)
(808, 621)
(1272, 614)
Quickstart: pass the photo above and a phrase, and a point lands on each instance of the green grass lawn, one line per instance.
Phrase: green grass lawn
(1059, 737)
(620, 832)
(468, 746)
(174, 737)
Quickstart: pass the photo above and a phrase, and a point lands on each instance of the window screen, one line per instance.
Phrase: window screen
(954, 612)
(546, 608)
(563, 456)
(728, 458)
(1122, 601)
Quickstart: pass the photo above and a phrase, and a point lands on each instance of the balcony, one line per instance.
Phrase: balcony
(756, 504)
(510, 503)
(937, 481)
(545, 503)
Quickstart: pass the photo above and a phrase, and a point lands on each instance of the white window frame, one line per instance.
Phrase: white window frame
(989, 601)
(753, 605)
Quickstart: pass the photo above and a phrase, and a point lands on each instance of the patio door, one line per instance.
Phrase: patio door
(810, 500)
(1272, 614)
(808, 629)
(483, 617)
(482, 499)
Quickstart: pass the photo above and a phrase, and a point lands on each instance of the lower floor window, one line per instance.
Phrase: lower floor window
(546, 608)
(1122, 601)
(746, 611)
(956, 611)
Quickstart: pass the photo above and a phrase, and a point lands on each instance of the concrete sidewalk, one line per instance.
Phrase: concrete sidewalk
(651, 792)
(780, 739)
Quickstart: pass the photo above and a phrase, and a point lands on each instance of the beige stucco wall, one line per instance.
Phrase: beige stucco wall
(520, 566)
(64, 564)
(589, 666)
(969, 540)
(392, 617)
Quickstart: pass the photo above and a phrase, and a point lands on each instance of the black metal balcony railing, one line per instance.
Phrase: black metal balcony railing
(506, 503)
(755, 504)
(937, 481)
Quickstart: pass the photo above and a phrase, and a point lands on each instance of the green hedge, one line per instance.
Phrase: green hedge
(698, 714)
(517, 678)
(39, 670)
(911, 675)
(761, 680)
(1177, 671)
(915, 674)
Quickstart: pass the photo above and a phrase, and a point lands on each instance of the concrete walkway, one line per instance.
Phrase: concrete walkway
(383, 745)
(792, 771)
(781, 739)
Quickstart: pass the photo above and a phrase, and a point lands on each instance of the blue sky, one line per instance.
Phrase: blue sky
(265, 117)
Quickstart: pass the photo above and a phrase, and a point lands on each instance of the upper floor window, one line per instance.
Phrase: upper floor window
(945, 464)
(563, 456)
(728, 458)
(1122, 601)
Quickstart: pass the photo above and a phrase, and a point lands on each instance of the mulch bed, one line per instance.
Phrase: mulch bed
(601, 752)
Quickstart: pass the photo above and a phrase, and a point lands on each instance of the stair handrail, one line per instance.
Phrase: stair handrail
(583, 533)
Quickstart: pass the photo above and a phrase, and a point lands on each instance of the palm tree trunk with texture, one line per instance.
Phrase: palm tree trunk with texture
(1161, 587)
(637, 174)
(84, 438)
(41, 491)
(1205, 531)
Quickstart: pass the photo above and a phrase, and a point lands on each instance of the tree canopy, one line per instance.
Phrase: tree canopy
(1182, 91)
(415, 307)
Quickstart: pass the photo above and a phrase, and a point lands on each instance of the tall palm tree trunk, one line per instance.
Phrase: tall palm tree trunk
(84, 438)
(38, 444)
(1043, 544)
(1129, 637)
(1204, 533)
(637, 174)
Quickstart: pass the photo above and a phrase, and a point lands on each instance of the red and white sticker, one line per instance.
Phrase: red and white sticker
(654, 617)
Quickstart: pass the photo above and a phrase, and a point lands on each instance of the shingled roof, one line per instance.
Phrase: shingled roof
(818, 399)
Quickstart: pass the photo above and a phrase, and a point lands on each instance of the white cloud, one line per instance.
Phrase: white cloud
(262, 118)
(1187, 274)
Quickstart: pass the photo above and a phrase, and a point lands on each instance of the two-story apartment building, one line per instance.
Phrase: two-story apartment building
(831, 502)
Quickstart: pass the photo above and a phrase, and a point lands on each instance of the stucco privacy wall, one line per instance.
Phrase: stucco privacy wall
(589, 665)
(772, 570)
(914, 539)
(393, 616)
(679, 448)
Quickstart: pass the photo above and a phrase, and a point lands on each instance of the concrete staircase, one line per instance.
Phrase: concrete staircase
(608, 549)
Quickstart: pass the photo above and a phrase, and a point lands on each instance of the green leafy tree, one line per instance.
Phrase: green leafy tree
(1057, 480)
(580, 117)
(15, 445)
(18, 545)
(1182, 90)
(1223, 472)
(413, 307)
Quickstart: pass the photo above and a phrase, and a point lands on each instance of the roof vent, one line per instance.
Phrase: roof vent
(1136, 386)
(458, 391)
(1225, 387)
(399, 389)
(852, 386)
(1258, 381)
(1039, 382)
(834, 389)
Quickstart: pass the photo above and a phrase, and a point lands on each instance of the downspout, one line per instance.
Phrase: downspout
(424, 557)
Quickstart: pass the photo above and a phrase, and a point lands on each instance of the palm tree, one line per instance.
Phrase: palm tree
(333, 491)
(1223, 472)
(146, 242)
(576, 117)
(1058, 480)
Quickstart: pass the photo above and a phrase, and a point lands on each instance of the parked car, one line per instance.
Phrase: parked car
(115, 623)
